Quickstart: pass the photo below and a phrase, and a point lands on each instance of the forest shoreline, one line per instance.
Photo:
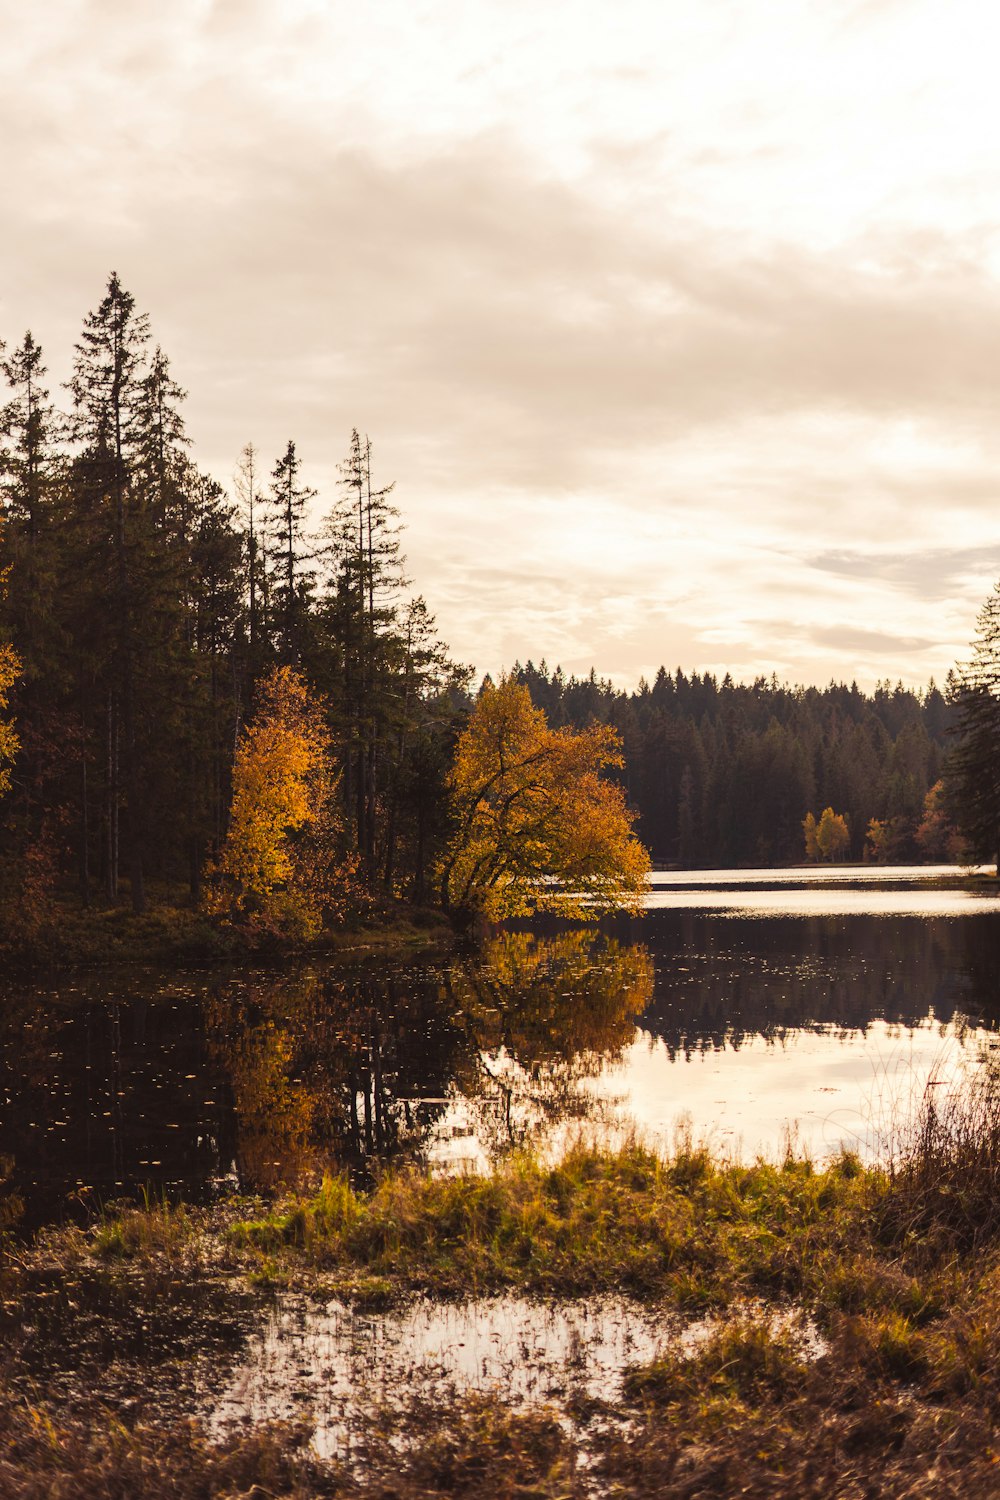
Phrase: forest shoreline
(174, 931)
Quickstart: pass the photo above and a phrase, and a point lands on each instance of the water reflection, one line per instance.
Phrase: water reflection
(337, 1362)
(368, 1064)
(325, 1066)
(720, 982)
(828, 1026)
(262, 1079)
(546, 1014)
(106, 1085)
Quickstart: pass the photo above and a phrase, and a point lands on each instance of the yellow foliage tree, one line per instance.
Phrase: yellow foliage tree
(809, 829)
(281, 863)
(877, 840)
(832, 835)
(536, 828)
(936, 835)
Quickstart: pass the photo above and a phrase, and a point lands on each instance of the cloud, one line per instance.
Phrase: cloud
(931, 575)
(878, 643)
(551, 360)
(513, 322)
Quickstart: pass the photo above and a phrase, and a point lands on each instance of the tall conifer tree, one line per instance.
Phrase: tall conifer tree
(106, 385)
(974, 767)
(288, 501)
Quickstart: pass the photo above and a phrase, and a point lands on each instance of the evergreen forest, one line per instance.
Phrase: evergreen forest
(724, 773)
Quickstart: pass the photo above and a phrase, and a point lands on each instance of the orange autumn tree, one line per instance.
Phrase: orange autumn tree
(536, 827)
(936, 835)
(281, 865)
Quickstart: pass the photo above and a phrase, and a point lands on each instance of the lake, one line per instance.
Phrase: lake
(746, 1006)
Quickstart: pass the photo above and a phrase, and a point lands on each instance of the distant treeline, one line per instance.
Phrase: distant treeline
(724, 773)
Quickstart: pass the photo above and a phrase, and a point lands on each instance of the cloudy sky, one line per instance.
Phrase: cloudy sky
(677, 323)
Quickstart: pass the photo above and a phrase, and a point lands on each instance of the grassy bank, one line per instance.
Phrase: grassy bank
(852, 1346)
(174, 931)
(686, 1228)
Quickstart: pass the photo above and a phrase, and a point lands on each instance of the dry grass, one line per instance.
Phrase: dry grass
(44, 1457)
(942, 1172)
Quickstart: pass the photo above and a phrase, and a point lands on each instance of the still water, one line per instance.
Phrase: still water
(743, 1005)
(335, 1361)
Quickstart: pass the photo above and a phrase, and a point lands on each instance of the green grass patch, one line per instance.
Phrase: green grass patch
(160, 1229)
(685, 1227)
(852, 1347)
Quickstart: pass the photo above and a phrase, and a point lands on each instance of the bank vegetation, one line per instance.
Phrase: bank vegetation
(850, 1320)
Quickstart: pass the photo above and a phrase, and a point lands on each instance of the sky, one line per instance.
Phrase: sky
(677, 324)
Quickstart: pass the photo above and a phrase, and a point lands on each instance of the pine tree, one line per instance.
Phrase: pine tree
(30, 471)
(27, 421)
(288, 502)
(368, 578)
(251, 503)
(33, 546)
(9, 668)
(106, 383)
(159, 443)
(218, 647)
(973, 772)
(428, 704)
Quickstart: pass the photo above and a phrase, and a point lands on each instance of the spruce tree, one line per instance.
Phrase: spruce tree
(973, 773)
(252, 510)
(30, 557)
(367, 580)
(288, 502)
(106, 385)
(159, 445)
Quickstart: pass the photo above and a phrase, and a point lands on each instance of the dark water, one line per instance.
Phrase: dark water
(745, 1019)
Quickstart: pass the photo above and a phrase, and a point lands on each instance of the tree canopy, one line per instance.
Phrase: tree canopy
(147, 610)
(537, 828)
(723, 773)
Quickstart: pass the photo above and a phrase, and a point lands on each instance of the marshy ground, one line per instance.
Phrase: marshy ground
(791, 1331)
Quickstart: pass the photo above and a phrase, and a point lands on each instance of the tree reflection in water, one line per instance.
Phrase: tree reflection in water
(544, 1015)
(192, 1083)
(331, 1069)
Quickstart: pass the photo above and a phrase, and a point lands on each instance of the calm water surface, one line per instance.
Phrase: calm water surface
(335, 1361)
(824, 890)
(748, 1004)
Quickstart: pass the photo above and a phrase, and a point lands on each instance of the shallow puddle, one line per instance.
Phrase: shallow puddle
(334, 1363)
